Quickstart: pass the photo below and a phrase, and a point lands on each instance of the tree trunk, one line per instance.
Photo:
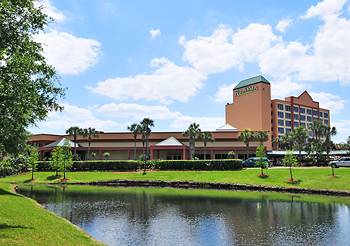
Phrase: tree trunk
(291, 173)
(205, 151)
(247, 151)
(64, 171)
(262, 172)
(146, 157)
(333, 174)
(134, 148)
(32, 173)
(88, 155)
(75, 144)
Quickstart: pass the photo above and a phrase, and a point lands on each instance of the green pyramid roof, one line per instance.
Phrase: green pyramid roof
(251, 81)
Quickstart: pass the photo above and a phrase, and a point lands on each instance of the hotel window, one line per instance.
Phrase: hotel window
(288, 116)
(280, 115)
(296, 124)
(302, 110)
(309, 111)
(280, 130)
(321, 114)
(303, 124)
(302, 117)
(309, 119)
(296, 109)
(281, 122)
(325, 114)
(280, 107)
(296, 117)
(288, 123)
(288, 108)
(315, 112)
(288, 130)
(326, 122)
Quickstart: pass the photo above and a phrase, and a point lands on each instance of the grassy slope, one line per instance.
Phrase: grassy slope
(314, 178)
(24, 222)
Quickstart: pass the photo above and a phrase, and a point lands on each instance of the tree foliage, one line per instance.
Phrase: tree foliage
(290, 160)
(193, 133)
(33, 158)
(261, 162)
(28, 89)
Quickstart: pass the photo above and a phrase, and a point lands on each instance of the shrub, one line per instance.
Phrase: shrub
(226, 164)
(133, 165)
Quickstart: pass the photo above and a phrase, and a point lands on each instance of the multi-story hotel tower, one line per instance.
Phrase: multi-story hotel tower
(254, 109)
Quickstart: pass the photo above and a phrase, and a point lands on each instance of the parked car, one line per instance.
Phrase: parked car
(251, 162)
(342, 162)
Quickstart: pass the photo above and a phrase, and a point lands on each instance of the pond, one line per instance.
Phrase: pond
(166, 216)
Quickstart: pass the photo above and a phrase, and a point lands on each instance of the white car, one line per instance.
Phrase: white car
(342, 162)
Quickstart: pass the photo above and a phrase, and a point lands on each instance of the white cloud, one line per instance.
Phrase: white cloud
(224, 49)
(167, 82)
(326, 59)
(283, 24)
(343, 130)
(325, 9)
(154, 33)
(72, 115)
(283, 88)
(67, 53)
(329, 101)
(206, 123)
(136, 111)
(225, 93)
(50, 10)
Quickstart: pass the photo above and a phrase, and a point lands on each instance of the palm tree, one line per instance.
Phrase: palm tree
(206, 137)
(329, 132)
(74, 131)
(317, 128)
(261, 136)
(246, 136)
(193, 132)
(299, 136)
(89, 133)
(135, 129)
(145, 129)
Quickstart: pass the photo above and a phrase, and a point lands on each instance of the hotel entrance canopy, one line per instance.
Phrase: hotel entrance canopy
(170, 143)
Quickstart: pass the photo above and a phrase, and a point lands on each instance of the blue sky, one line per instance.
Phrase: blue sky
(178, 61)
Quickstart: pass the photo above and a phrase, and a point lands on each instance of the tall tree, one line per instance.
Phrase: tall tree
(146, 124)
(28, 85)
(299, 136)
(328, 144)
(193, 132)
(261, 136)
(90, 133)
(206, 137)
(290, 161)
(261, 162)
(33, 158)
(135, 129)
(317, 130)
(246, 136)
(74, 131)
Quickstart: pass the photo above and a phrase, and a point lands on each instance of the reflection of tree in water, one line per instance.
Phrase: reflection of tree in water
(247, 221)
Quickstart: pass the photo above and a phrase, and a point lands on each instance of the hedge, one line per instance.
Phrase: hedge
(131, 165)
(224, 164)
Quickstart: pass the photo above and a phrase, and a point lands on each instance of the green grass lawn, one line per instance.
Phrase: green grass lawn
(313, 178)
(24, 222)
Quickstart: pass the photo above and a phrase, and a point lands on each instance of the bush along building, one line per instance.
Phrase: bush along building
(252, 108)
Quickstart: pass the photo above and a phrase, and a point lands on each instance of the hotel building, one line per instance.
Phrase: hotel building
(252, 108)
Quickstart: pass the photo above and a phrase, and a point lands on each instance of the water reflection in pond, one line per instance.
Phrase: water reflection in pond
(149, 216)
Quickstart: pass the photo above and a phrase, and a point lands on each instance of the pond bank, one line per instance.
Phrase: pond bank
(219, 186)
